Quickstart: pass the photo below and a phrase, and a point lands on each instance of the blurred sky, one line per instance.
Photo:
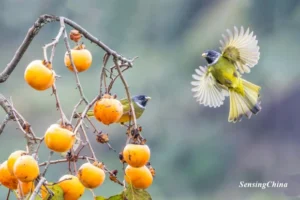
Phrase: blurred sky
(196, 152)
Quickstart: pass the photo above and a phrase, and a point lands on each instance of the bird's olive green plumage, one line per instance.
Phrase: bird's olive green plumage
(138, 110)
(226, 74)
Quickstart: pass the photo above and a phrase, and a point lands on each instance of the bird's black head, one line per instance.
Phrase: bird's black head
(141, 100)
(211, 56)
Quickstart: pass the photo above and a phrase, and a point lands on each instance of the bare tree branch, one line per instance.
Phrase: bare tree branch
(34, 30)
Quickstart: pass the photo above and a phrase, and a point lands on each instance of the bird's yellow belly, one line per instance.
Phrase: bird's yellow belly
(226, 74)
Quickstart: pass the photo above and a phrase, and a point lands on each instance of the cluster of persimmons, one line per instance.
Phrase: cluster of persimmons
(20, 171)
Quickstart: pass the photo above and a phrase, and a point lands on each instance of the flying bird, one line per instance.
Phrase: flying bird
(223, 75)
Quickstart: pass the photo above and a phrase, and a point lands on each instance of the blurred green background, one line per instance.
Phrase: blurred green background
(196, 152)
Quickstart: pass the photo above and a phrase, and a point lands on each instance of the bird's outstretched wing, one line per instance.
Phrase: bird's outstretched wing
(240, 48)
(207, 90)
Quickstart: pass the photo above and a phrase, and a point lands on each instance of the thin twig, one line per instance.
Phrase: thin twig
(88, 142)
(132, 113)
(38, 148)
(103, 75)
(93, 193)
(48, 163)
(45, 184)
(55, 183)
(23, 125)
(58, 105)
(37, 188)
(96, 131)
(53, 162)
(74, 110)
(82, 116)
(15, 115)
(54, 42)
(115, 78)
(74, 161)
(63, 160)
(3, 123)
(74, 68)
(8, 194)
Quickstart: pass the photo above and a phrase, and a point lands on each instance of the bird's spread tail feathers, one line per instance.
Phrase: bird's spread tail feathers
(246, 104)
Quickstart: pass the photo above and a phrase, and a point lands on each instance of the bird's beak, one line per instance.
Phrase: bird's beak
(204, 55)
(148, 98)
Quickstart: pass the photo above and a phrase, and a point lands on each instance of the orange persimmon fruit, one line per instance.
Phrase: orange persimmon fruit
(26, 168)
(108, 110)
(12, 159)
(82, 58)
(136, 155)
(6, 178)
(39, 75)
(72, 187)
(91, 176)
(59, 139)
(140, 178)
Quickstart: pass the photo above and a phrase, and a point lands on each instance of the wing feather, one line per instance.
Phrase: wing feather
(241, 48)
(207, 91)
